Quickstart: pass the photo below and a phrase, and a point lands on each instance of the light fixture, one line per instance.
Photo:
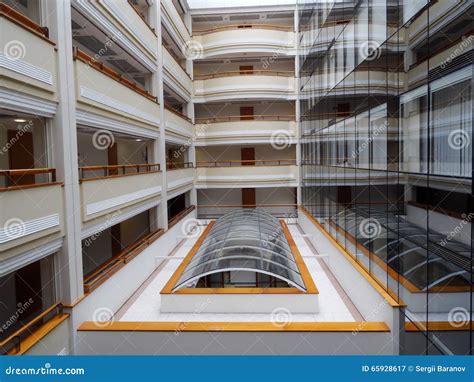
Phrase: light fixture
(138, 140)
(19, 120)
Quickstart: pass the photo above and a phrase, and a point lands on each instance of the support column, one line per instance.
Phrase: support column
(297, 109)
(159, 145)
(64, 152)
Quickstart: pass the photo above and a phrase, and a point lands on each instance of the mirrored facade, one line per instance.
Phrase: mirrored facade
(386, 132)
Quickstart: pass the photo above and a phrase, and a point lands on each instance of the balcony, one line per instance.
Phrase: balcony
(32, 209)
(120, 19)
(179, 128)
(104, 92)
(175, 76)
(173, 23)
(28, 58)
(239, 130)
(247, 173)
(248, 38)
(252, 84)
(180, 177)
(105, 189)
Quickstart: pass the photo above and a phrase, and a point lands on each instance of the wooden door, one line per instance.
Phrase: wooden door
(246, 113)
(248, 197)
(112, 158)
(247, 154)
(21, 156)
(246, 69)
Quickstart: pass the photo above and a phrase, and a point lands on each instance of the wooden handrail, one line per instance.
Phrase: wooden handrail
(25, 22)
(178, 113)
(11, 174)
(84, 57)
(113, 170)
(244, 26)
(17, 334)
(233, 73)
(178, 166)
(237, 163)
(241, 205)
(175, 219)
(262, 117)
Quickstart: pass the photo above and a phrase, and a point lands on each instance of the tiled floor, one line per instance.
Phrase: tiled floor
(145, 304)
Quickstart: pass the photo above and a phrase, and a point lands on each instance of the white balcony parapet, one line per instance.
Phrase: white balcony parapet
(274, 40)
(265, 175)
(218, 131)
(261, 84)
(175, 76)
(28, 60)
(180, 180)
(179, 128)
(103, 92)
(103, 195)
(173, 23)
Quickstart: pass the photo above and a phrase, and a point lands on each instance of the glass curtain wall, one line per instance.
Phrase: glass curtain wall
(386, 123)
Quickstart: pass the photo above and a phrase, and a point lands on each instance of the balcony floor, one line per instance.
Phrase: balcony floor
(334, 304)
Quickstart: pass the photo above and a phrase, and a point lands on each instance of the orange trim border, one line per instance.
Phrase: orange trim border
(165, 326)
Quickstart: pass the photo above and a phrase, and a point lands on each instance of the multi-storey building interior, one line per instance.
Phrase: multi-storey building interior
(278, 179)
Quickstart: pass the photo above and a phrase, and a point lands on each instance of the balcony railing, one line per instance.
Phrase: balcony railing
(234, 73)
(91, 61)
(141, 16)
(177, 218)
(177, 112)
(243, 26)
(231, 118)
(238, 163)
(26, 178)
(12, 344)
(178, 166)
(116, 170)
(104, 272)
(22, 20)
